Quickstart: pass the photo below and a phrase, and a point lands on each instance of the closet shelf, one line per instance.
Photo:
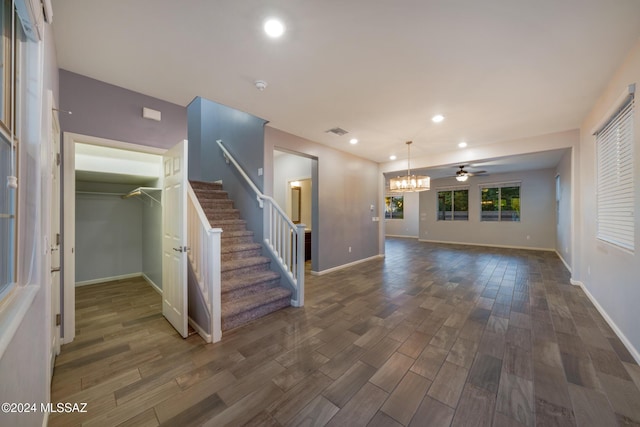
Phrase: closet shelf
(144, 191)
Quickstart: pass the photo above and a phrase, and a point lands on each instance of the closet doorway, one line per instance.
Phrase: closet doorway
(112, 216)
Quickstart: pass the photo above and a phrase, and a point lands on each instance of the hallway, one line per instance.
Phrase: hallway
(430, 335)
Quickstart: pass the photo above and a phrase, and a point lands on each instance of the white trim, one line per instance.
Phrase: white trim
(634, 352)
(152, 283)
(108, 279)
(12, 313)
(45, 419)
(94, 140)
(563, 261)
(401, 236)
(68, 237)
(205, 336)
(488, 245)
(351, 264)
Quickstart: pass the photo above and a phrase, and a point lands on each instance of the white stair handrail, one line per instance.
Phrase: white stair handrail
(283, 238)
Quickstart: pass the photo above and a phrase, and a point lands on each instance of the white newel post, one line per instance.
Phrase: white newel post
(299, 301)
(216, 291)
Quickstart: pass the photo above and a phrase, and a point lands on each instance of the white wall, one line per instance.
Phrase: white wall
(536, 228)
(609, 274)
(409, 225)
(564, 215)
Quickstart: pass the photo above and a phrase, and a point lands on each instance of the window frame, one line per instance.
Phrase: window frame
(390, 199)
(11, 41)
(616, 132)
(452, 191)
(500, 186)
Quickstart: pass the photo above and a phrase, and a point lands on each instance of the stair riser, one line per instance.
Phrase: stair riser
(226, 275)
(216, 204)
(242, 318)
(211, 195)
(228, 227)
(213, 215)
(248, 290)
(250, 253)
(206, 185)
(229, 241)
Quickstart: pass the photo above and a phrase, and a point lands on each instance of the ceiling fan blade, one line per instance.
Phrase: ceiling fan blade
(476, 173)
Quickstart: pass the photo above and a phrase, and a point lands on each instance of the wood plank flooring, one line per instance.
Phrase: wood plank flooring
(432, 335)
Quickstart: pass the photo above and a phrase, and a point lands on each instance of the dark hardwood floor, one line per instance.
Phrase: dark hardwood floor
(432, 335)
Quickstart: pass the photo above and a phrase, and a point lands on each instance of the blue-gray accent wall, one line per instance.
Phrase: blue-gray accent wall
(243, 136)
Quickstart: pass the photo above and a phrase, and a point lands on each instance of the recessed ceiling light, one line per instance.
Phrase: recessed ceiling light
(274, 28)
(462, 144)
(353, 141)
(392, 157)
(437, 118)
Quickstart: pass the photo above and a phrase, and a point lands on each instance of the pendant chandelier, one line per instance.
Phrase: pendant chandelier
(409, 183)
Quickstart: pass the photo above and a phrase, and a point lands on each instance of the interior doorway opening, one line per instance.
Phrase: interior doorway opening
(295, 191)
(112, 211)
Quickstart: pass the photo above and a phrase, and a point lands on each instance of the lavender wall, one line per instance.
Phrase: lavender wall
(107, 111)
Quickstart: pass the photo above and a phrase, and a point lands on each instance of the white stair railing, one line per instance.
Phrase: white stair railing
(204, 256)
(283, 238)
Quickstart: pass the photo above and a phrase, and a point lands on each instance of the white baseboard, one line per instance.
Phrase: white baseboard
(401, 236)
(152, 283)
(634, 352)
(351, 264)
(45, 419)
(531, 248)
(563, 261)
(108, 279)
(205, 336)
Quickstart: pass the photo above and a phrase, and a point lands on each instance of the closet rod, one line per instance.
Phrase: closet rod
(99, 193)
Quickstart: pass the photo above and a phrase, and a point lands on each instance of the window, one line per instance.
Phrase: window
(394, 207)
(453, 205)
(615, 189)
(10, 39)
(500, 202)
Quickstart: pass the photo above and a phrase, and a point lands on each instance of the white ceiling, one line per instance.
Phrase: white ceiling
(498, 70)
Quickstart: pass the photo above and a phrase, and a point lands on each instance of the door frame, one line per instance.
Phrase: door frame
(54, 203)
(69, 214)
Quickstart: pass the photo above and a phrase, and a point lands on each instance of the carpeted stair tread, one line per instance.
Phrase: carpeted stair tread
(248, 280)
(252, 302)
(210, 194)
(215, 214)
(222, 222)
(250, 289)
(205, 185)
(238, 247)
(243, 263)
(239, 233)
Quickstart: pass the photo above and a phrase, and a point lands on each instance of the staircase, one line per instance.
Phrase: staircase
(249, 288)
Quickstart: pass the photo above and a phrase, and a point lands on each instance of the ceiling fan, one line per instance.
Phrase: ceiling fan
(462, 175)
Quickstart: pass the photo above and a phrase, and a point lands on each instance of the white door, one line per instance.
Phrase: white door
(54, 237)
(174, 237)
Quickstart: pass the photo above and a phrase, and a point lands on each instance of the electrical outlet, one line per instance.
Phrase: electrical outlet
(528, 237)
(349, 249)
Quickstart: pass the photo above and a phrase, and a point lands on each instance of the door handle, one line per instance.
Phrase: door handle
(182, 249)
(178, 249)
(55, 269)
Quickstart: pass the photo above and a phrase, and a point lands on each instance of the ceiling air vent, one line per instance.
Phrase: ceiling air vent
(337, 131)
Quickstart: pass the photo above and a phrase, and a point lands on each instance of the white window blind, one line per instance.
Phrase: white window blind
(615, 187)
